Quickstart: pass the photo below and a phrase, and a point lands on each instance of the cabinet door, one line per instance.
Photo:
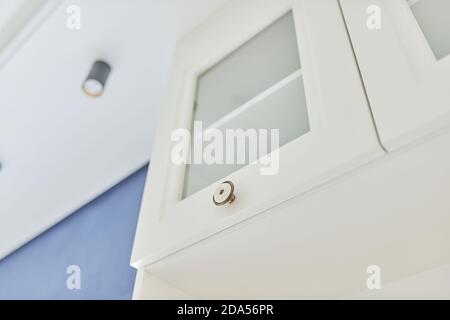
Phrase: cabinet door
(283, 67)
(405, 64)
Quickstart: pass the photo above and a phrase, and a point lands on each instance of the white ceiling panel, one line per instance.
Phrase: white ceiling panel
(59, 149)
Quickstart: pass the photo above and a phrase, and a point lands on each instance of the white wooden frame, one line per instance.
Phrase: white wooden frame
(149, 287)
(406, 85)
(24, 25)
(342, 135)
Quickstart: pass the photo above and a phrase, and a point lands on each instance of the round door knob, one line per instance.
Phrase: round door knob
(224, 194)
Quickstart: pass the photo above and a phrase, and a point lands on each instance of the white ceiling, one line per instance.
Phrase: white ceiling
(58, 148)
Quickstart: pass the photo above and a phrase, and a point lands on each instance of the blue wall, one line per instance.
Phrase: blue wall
(98, 238)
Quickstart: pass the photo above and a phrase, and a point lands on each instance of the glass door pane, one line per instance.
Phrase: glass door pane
(433, 17)
(257, 88)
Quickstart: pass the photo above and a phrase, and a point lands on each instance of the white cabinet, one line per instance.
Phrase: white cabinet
(405, 65)
(344, 197)
(393, 213)
(283, 65)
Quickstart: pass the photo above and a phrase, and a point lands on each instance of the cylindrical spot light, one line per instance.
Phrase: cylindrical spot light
(94, 85)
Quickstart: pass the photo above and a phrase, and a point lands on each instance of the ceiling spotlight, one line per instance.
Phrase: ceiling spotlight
(94, 85)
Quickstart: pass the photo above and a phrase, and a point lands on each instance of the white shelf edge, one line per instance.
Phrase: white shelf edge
(251, 103)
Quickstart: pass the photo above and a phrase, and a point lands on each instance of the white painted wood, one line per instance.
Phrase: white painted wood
(408, 87)
(148, 287)
(342, 135)
(191, 13)
(393, 213)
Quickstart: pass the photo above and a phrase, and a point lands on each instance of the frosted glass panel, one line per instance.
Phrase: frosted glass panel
(433, 17)
(260, 63)
(259, 86)
(285, 110)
